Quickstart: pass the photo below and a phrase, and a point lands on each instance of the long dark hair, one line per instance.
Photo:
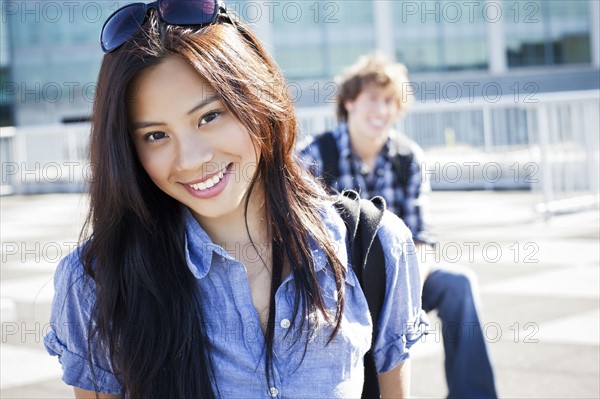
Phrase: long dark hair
(148, 315)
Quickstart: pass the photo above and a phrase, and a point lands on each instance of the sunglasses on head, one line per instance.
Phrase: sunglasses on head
(126, 21)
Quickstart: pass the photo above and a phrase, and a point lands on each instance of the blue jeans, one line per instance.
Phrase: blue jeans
(452, 291)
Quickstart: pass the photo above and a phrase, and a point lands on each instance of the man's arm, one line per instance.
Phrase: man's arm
(416, 208)
(417, 203)
(396, 382)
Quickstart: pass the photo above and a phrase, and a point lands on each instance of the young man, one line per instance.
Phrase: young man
(364, 153)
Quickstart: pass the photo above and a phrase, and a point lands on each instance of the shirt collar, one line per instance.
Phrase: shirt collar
(342, 138)
(199, 248)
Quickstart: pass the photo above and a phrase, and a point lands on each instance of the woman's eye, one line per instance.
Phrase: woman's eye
(155, 136)
(209, 117)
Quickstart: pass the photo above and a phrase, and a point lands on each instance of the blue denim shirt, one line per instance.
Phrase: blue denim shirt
(333, 370)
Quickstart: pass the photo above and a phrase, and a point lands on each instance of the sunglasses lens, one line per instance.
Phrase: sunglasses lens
(188, 12)
(120, 26)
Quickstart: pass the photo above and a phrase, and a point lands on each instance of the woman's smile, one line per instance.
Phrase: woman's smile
(210, 186)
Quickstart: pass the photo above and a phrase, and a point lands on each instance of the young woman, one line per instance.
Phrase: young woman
(213, 266)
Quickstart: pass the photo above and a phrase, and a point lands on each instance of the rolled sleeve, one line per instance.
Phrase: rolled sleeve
(83, 366)
(77, 370)
(402, 322)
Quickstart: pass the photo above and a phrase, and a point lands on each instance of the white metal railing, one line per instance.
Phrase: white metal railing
(548, 143)
(7, 136)
(566, 136)
(45, 158)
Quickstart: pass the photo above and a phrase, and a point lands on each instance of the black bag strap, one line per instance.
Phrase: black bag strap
(403, 164)
(362, 219)
(330, 156)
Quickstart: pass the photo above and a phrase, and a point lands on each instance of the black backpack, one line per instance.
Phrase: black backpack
(402, 162)
(362, 218)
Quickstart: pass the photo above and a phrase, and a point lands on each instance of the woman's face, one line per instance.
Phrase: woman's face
(190, 145)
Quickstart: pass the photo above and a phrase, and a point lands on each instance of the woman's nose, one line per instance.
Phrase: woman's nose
(193, 152)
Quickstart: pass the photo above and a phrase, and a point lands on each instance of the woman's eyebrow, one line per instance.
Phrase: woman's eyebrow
(204, 103)
(142, 125)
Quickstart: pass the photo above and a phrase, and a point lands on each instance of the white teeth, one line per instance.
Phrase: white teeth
(210, 182)
(377, 122)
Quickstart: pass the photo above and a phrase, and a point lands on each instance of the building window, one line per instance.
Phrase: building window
(547, 32)
(437, 36)
(6, 98)
(317, 39)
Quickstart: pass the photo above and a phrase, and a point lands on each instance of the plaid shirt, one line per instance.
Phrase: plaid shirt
(412, 208)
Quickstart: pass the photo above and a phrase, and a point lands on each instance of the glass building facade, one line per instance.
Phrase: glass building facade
(315, 39)
(548, 33)
(50, 56)
(6, 99)
(53, 59)
(439, 36)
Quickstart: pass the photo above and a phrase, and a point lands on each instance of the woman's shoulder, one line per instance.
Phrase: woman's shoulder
(393, 231)
(70, 277)
(332, 220)
(398, 247)
(72, 263)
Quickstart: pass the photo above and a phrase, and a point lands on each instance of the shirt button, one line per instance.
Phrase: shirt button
(285, 323)
(273, 392)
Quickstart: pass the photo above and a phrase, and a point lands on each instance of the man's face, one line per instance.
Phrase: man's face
(373, 112)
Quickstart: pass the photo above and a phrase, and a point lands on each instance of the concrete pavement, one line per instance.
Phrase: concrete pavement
(539, 286)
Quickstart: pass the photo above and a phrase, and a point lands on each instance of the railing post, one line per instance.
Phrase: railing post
(21, 157)
(545, 163)
(592, 120)
(7, 137)
(488, 143)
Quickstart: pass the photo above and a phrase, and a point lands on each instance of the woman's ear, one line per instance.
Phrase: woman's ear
(349, 105)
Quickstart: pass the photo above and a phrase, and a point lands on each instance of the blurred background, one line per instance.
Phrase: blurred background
(507, 99)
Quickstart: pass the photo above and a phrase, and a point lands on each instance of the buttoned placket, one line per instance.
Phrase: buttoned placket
(383, 166)
(282, 325)
(243, 298)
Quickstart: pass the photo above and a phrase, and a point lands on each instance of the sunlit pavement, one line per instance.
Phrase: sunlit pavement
(539, 287)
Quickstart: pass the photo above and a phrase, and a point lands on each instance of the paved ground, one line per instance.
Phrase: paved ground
(538, 278)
